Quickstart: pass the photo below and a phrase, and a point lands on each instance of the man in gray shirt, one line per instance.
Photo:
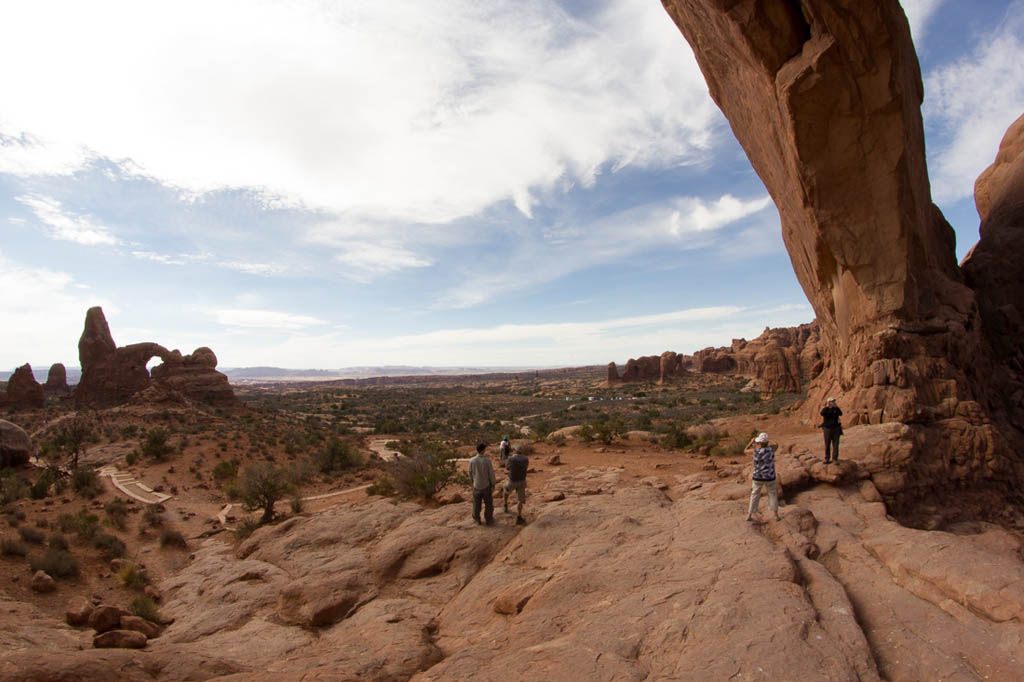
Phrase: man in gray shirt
(481, 472)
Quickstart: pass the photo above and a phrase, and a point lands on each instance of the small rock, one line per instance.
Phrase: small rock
(150, 630)
(77, 611)
(41, 582)
(153, 593)
(554, 460)
(119, 639)
(105, 617)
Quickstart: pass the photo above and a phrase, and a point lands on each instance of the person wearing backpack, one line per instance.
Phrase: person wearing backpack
(503, 450)
(832, 429)
(517, 465)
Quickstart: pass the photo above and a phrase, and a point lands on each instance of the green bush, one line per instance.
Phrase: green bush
(152, 516)
(86, 482)
(428, 468)
(56, 563)
(156, 445)
(9, 547)
(557, 439)
(226, 470)
(31, 535)
(676, 438)
(246, 528)
(83, 524)
(144, 607)
(261, 486)
(382, 486)
(172, 538)
(109, 545)
(12, 487)
(337, 455)
(41, 488)
(585, 433)
(117, 513)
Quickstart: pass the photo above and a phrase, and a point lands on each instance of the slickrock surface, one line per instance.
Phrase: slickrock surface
(113, 375)
(619, 580)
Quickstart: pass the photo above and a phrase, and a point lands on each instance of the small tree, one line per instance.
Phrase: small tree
(261, 486)
(156, 445)
(426, 469)
(72, 436)
(337, 455)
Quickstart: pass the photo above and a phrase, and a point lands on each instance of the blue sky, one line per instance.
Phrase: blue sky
(429, 182)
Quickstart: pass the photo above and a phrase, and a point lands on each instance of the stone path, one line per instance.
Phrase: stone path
(127, 484)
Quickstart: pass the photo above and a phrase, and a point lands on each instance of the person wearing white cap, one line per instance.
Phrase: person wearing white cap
(764, 476)
(832, 429)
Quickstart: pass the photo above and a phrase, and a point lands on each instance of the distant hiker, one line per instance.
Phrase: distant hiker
(764, 476)
(503, 449)
(517, 465)
(832, 429)
(481, 472)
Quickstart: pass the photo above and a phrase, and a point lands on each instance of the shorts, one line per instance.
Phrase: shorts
(519, 487)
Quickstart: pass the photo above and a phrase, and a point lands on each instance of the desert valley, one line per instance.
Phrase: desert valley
(162, 524)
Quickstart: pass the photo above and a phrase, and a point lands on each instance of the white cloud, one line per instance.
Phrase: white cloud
(262, 269)
(682, 224)
(61, 224)
(425, 110)
(565, 344)
(268, 320)
(919, 12)
(970, 103)
(42, 311)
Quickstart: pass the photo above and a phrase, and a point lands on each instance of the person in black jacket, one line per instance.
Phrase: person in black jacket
(517, 465)
(832, 428)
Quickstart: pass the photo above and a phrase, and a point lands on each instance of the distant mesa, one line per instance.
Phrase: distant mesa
(113, 375)
(779, 361)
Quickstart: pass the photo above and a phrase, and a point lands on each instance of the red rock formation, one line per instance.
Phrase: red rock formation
(824, 96)
(15, 445)
(782, 360)
(113, 375)
(57, 381)
(23, 391)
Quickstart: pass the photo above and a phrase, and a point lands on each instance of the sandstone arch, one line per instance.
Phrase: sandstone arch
(824, 96)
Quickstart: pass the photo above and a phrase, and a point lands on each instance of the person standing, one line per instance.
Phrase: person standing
(832, 429)
(503, 450)
(764, 476)
(517, 465)
(481, 472)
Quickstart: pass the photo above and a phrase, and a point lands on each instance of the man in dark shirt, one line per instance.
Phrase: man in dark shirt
(832, 428)
(517, 465)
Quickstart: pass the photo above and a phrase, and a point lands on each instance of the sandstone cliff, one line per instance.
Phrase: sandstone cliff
(113, 375)
(23, 391)
(780, 360)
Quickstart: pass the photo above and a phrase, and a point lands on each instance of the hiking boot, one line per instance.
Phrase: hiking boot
(520, 521)
(476, 521)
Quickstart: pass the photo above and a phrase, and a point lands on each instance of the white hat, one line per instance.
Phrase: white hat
(831, 400)
(761, 438)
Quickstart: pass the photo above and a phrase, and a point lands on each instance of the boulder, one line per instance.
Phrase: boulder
(119, 639)
(43, 583)
(15, 445)
(77, 611)
(105, 617)
(150, 630)
(23, 391)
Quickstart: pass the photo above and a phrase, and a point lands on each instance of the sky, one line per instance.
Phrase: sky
(311, 184)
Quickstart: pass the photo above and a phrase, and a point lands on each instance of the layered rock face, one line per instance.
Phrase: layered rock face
(780, 360)
(113, 375)
(23, 391)
(824, 96)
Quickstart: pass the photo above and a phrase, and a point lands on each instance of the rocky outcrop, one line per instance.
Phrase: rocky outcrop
(824, 96)
(113, 375)
(23, 391)
(57, 381)
(15, 445)
(780, 360)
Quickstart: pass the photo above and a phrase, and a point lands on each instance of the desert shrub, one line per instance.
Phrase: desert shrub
(143, 606)
(56, 563)
(676, 438)
(31, 535)
(296, 504)
(733, 446)
(156, 445)
(72, 435)
(172, 538)
(541, 429)
(117, 513)
(41, 488)
(427, 469)
(58, 541)
(83, 524)
(12, 487)
(261, 486)
(557, 439)
(225, 470)
(337, 455)
(382, 486)
(152, 516)
(526, 449)
(585, 433)
(9, 547)
(86, 482)
(246, 528)
(132, 576)
(131, 458)
(110, 546)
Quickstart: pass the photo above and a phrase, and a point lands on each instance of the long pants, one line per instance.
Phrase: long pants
(486, 496)
(755, 496)
(832, 441)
